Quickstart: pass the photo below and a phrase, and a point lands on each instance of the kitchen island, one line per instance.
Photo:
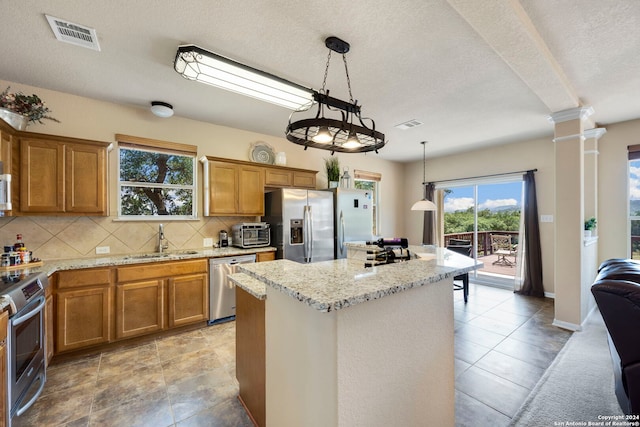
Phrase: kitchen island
(352, 346)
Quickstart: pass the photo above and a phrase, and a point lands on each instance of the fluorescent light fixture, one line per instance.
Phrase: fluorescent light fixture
(195, 63)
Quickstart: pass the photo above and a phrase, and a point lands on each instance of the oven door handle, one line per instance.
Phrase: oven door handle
(29, 315)
(27, 405)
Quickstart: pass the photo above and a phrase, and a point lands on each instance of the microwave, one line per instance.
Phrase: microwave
(251, 234)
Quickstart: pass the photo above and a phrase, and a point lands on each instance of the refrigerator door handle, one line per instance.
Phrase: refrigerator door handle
(306, 233)
(341, 234)
(310, 234)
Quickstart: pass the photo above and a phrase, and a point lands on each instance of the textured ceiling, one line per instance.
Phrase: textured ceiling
(475, 73)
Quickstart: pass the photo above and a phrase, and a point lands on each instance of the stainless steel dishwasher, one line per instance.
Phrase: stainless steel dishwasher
(222, 293)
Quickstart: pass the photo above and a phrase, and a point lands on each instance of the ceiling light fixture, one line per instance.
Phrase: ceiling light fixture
(424, 204)
(336, 134)
(161, 109)
(194, 63)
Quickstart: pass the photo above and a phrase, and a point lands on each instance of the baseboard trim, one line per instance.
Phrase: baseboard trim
(566, 325)
(551, 295)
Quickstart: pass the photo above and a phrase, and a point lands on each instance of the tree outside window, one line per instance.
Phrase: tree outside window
(156, 183)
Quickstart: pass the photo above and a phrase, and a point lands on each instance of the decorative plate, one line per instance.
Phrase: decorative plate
(262, 152)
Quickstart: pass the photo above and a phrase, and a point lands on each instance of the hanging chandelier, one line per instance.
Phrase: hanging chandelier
(338, 125)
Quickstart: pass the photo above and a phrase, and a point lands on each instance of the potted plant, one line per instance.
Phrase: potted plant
(589, 226)
(332, 165)
(19, 109)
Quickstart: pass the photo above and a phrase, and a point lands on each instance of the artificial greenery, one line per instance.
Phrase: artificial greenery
(590, 224)
(30, 106)
(332, 164)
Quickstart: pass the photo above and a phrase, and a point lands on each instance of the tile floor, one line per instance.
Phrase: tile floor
(186, 380)
(503, 344)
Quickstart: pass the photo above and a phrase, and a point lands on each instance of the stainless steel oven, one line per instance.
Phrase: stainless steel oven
(25, 341)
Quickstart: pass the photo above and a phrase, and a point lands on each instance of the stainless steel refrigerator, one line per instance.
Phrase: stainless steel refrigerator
(353, 218)
(301, 223)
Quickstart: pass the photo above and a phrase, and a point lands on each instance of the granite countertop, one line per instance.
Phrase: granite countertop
(254, 286)
(52, 266)
(333, 285)
(4, 304)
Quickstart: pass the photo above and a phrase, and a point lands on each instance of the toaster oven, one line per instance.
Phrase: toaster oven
(251, 234)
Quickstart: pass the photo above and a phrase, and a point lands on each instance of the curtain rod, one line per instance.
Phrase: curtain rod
(480, 176)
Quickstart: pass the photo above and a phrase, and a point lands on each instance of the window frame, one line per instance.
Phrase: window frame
(142, 144)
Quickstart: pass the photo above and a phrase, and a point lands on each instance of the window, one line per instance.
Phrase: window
(634, 201)
(364, 180)
(474, 210)
(156, 179)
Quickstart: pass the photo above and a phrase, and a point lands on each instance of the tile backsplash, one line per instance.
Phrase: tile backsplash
(51, 238)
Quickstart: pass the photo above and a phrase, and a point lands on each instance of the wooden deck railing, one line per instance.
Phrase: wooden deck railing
(484, 239)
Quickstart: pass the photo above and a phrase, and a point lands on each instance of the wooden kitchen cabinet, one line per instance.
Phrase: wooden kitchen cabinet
(6, 138)
(223, 188)
(280, 176)
(250, 354)
(85, 179)
(3, 368)
(97, 306)
(158, 296)
(235, 189)
(83, 308)
(188, 299)
(139, 308)
(265, 256)
(304, 179)
(250, 190)
(60, 175)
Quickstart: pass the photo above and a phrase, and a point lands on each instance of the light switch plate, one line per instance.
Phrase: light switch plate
(103, 250)
(546, 218)
(207, 242)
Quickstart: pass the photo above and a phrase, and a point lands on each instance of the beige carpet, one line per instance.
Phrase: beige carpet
(578, 386)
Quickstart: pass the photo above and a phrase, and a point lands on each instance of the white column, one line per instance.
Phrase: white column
(569, 225)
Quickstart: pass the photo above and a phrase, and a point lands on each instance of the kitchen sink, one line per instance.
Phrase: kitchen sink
(147, 256)
(160, 255)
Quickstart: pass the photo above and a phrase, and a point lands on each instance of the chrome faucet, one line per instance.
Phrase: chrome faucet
(163, 243)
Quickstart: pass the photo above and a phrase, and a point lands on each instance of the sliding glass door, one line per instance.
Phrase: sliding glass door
(488, 215)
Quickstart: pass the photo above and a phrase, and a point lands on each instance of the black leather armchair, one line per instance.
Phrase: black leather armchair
(617, 293)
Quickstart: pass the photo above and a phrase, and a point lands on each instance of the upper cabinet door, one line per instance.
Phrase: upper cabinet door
(223, 188)
(251, 190)
(41, 175)
(85, 186)
(62, 175)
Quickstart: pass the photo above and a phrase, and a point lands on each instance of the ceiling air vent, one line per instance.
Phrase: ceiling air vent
(408, 125)
(69, 32)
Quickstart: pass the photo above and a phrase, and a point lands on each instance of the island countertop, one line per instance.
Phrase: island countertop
(333, 285)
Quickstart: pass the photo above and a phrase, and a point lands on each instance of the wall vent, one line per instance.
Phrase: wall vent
(76, 34)
(408, 125)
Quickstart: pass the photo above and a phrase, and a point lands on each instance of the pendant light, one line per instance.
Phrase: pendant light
(424, 204)
(337, 125)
